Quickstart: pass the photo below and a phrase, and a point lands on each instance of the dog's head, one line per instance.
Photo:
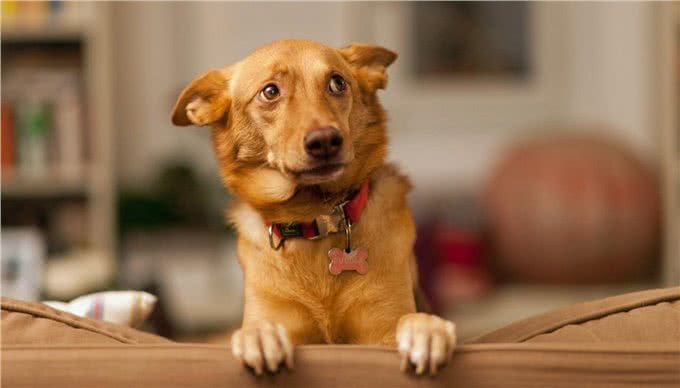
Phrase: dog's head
(291, 115)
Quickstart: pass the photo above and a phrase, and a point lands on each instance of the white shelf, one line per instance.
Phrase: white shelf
(49, 33)
(42, 187)
(511, 303)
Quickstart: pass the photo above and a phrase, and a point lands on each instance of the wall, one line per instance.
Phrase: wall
(594, 66)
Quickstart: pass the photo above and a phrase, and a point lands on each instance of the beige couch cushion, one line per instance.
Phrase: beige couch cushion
(36, 323)
(46, 348)
(645, 316)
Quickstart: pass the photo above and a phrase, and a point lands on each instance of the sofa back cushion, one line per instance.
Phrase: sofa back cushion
(645, 316)
(623, 318)
(36, 323)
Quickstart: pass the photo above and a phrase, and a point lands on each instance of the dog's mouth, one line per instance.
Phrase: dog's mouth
(319, 174)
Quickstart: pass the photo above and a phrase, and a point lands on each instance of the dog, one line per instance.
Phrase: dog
(325, 236)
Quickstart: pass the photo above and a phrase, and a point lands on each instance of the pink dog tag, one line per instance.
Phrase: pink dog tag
(352, 261)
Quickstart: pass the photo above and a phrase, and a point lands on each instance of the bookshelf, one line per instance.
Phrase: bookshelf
(56, 75)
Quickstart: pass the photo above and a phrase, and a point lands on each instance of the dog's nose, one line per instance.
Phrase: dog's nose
(323, 143)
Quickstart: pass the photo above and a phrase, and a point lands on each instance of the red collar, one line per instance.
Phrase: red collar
(323, 225)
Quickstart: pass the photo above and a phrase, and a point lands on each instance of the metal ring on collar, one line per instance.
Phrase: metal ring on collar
(271, 239)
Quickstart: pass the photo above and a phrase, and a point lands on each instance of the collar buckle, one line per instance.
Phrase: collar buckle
(330, 223)
(339, 220)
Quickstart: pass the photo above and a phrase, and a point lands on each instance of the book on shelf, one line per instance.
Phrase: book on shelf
(42, 124)
(7, 142)
(33, 15)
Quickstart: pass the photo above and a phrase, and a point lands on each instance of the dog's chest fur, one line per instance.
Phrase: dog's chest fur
(298, 273)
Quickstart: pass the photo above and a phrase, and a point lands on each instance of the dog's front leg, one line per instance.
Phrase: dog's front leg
(426, 341)
(272, 326)
(261, 344)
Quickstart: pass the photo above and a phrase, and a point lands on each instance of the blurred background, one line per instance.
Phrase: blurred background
(542, 138)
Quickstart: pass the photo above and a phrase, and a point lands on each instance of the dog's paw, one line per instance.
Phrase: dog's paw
(263, 345)
(425, 341)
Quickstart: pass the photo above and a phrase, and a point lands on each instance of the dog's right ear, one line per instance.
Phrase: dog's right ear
(205, 100)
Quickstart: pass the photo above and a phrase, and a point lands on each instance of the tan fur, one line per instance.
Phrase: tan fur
(293, 286)
(259, 145)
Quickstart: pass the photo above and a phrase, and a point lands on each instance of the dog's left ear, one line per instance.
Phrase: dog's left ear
(204, 101)
(369, 63)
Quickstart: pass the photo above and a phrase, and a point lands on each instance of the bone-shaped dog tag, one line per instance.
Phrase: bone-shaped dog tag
(344, 261)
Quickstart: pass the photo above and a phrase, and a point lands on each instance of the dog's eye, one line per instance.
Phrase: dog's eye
(270, 92)
(337, 84)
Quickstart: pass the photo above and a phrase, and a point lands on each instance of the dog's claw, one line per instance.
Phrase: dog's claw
(404, 363)
(263, 345)
(425, 341)
(437, 356)
(286, 344)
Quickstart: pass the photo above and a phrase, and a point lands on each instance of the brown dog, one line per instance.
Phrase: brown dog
(300, 138)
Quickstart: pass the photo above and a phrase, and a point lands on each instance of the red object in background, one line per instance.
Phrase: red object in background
(461, 273)
(451, 263)
(458, 246)
(8, 150)
(573, 210)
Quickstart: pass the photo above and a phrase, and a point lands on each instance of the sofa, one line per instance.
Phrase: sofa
(630, 340)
